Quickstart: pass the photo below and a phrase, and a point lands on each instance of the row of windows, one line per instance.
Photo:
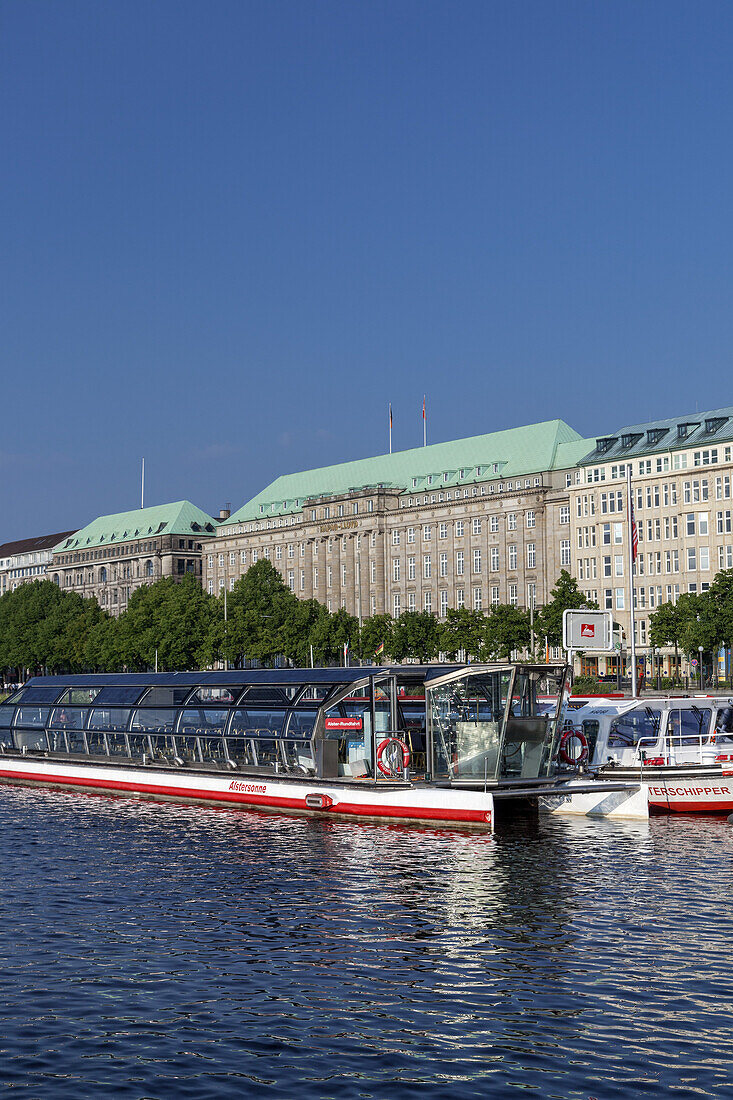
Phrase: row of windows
(680, 460)
(476, 595)
(500, 487)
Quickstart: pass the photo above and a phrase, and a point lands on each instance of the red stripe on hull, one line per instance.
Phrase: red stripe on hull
(275, 802)
(678, 807)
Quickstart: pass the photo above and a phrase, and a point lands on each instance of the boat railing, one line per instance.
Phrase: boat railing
(671, 746)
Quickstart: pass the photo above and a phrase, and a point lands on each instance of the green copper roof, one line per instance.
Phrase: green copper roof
(179, 518)
(699, 429)
(511, 453)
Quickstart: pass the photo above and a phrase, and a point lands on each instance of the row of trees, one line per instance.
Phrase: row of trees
(179, 626)
(695, 622)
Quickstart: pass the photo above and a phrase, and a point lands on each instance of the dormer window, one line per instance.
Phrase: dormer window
(630, 438)
(653, 435)
(685, 429)
(713, 423)
(605, 443)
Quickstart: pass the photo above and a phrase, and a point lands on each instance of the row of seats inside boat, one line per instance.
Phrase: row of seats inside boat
(271, 738)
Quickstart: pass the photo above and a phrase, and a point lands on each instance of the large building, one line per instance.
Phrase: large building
(681, 471)
(470, 523)
(27, 559)
(113, 555)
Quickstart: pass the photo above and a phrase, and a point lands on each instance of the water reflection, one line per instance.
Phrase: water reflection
(171, 951)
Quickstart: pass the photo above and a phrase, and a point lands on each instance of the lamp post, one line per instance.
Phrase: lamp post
(699, 649)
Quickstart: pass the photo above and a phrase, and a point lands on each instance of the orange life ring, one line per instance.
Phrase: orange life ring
(579, 736)
(381, 749)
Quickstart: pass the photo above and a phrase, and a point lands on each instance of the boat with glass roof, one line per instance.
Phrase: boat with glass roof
(430, 745)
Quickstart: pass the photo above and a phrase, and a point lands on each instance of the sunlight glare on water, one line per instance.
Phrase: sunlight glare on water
(170, 951)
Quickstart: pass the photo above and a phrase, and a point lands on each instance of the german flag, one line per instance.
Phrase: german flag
(379, 649)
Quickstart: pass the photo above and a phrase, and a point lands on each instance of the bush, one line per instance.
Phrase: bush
(587, 685)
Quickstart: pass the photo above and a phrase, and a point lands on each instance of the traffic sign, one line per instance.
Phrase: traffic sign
(587, 630)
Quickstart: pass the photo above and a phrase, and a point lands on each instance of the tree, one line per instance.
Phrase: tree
(331, 632)
(507, 629)
(258, 608)
(168, 623)
(42, 628)
(565, 596)
(465, 630)
(416, 634)
(665, 626)
(374, 631)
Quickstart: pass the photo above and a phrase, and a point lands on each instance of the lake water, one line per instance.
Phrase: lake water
(164, 951)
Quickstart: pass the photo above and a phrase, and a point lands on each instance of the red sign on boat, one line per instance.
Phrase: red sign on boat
(343, 723)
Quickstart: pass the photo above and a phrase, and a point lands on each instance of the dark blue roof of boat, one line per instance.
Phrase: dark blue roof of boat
(224, 679)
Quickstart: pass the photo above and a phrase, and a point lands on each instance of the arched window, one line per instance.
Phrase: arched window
(56, 578)
(148, 569)
(103, 575)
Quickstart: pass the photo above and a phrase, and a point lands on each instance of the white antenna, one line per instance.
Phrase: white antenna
(142, 487)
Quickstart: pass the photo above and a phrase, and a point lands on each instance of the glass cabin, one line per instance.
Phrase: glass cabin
(461, 724)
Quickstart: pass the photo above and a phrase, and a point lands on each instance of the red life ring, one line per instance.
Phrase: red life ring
(381, 749)
(579, 736)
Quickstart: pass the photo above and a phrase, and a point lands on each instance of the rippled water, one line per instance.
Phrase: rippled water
(166, 951)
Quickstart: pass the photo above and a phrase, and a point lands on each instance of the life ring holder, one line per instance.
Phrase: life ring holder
(573, 734)
(384, 768)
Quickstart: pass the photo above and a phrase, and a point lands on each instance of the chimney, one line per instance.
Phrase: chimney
(226, 511)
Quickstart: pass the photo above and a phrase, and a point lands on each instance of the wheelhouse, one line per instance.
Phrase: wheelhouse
(462, 725)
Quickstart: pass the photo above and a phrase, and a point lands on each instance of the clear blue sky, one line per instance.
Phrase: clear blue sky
(233, 231)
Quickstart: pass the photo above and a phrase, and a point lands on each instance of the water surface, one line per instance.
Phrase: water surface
(166, 951)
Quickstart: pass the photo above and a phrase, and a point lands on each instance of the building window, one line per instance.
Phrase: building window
(513, 595)
(410, 569)
(443, 531)
(476, 527)
(444, 565)
(426, 566)
(530, 555)
(395, 569)
(494, 559)
(565, 513)
(477, 604)
(459, 563)
(395, 538)
(512, 556)
(565, 552)
(459, 528)
(493, 524)
(396, 605)
(428, 601)
(477, 561)
(530, 519)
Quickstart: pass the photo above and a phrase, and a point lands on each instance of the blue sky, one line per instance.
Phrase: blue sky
(232, 232)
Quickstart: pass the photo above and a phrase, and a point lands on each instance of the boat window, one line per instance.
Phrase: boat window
(79, 696)
(68, 718)
(109, 718)
(591, 727)
(203, 720)
(121, 696)
(257, 722)
(465, 717)
(270, 693)
(34, 717)
(165, 696)
(630, 728)
(155, 719)
(6, 719)
(215, 695)
(688, 726)
(315, 693)
(39, 693)
(301, 723)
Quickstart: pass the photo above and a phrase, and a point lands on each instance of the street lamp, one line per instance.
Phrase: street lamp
(699, 649)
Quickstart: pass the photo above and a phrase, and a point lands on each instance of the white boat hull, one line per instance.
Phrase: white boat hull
(407, 803)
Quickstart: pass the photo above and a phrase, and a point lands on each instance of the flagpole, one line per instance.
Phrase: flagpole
(424, 424)
(390, 427)
(630, 517)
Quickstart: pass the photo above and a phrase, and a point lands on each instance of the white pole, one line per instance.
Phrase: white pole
(311, 656)
(225, 605)
(390, 427)
(424, 424)
(142, 487)
(629, 510)
(156, 660)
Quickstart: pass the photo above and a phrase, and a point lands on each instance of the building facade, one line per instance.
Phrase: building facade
(681, 472)
(27, 559)
(471, 523)
(113, 555)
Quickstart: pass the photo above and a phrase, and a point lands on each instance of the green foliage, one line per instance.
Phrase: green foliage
(507, 629)
(258, 608)
(374, 631)
(565, 596)
(170, 617)
(465, 631)
(43, 629)
(416, 634)
(587, 685)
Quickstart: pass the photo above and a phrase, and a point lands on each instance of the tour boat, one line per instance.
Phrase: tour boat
(672, 745)
(433, 745)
